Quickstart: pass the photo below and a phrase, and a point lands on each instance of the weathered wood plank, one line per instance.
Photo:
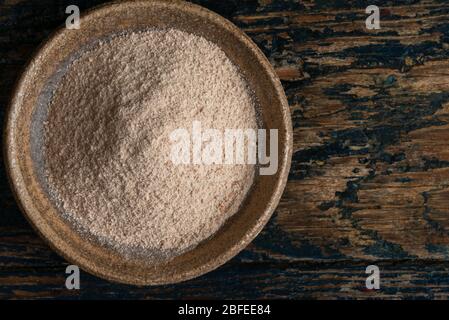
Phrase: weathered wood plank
(370, 115)
(370, 173)
(302, 280)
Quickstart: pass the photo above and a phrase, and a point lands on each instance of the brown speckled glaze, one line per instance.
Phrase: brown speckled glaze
(238, 231)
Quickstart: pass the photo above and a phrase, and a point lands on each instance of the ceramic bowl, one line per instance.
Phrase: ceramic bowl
(21, 134)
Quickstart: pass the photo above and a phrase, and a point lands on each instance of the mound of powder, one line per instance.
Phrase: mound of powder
(107, 147)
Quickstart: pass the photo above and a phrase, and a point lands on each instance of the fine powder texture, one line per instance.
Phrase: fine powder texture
(107, 142)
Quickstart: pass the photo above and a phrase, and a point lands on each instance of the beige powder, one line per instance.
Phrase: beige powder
(107, 148)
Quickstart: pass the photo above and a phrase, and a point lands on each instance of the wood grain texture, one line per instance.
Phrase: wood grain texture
(370, 175)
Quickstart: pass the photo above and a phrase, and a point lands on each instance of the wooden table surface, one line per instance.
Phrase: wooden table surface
(369, 182)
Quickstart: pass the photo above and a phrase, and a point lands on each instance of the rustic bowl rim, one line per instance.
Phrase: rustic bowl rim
(14, 173)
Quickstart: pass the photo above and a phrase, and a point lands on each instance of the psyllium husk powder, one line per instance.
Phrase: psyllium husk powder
(106, 145)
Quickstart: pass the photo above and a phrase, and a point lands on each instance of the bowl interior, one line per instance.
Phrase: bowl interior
(28, 112)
